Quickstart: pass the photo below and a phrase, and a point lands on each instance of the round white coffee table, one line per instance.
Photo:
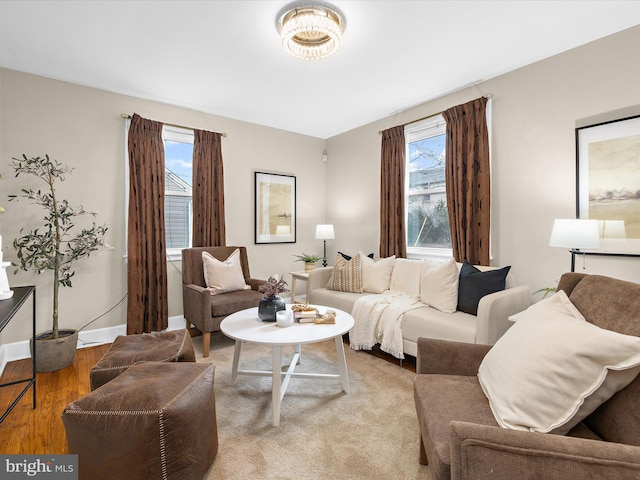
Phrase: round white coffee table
(245, 327)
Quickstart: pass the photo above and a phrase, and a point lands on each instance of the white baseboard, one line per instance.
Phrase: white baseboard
(89, 338)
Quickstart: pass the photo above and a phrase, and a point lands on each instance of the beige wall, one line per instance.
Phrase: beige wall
(535, 112)
(82, 127)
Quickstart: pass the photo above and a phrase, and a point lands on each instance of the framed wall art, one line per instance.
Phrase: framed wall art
(608, 183)
(275, 208)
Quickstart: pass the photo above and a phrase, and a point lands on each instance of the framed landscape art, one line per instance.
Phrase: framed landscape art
(608, 182)
(275, 208)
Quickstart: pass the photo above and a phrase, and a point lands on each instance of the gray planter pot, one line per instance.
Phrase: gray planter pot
(55, 354)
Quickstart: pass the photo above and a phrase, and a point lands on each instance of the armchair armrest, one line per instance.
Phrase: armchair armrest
(196, 302)
(449, 358)
(318, 278)
(481, 451)
(254, 283)
(494, 311)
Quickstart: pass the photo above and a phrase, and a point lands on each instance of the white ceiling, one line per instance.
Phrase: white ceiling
(225, 58)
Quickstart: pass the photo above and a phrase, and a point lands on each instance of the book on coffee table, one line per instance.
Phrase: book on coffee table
(307, 316)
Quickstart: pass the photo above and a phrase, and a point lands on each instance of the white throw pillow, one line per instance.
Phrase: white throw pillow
(406, 276)
(552, 368)
(439, 286)
(222, 277)
(376, 274)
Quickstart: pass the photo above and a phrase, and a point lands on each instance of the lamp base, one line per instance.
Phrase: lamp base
(6, 295)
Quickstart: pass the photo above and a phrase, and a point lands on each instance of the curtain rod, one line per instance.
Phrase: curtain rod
(126, 116)
(487, 96)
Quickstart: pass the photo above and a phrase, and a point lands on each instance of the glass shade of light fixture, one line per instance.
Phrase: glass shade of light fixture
(575, 234)
(324, 233)
(310, 32)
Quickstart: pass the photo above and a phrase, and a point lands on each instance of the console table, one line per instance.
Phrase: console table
(8, 308)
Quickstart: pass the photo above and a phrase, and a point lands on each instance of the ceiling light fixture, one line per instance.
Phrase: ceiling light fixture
(310, 32)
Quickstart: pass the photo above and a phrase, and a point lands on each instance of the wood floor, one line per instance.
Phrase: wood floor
(40, 431)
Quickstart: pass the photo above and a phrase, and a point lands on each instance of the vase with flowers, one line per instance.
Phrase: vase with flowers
(271, 302)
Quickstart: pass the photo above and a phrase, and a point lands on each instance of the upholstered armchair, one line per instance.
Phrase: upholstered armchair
(461, 438)
(204, 309)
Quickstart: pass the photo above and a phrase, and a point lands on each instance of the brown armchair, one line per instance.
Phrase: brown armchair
(460, 438)
(204, 310)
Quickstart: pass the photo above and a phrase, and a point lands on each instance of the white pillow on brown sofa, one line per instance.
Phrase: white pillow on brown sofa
(223, 277)
(552, 368)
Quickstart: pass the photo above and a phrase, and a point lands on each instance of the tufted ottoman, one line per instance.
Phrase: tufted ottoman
(154, 421)
(165, 346)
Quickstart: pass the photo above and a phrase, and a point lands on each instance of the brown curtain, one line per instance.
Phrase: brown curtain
(208, 190)
(468, 181)
(147, 308)
(392, 236)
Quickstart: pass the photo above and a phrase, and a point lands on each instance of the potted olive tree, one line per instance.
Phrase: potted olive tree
(55, 246)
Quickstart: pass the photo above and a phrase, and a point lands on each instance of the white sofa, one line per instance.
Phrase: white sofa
(486, 327)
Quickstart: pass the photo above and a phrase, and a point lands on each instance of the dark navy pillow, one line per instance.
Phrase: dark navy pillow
(474, 284)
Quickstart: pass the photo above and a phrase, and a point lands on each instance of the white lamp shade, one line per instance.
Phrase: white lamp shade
(324, 232)
(575, 233)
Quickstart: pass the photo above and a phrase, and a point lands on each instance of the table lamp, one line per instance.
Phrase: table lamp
(575, 234)
(324, 233)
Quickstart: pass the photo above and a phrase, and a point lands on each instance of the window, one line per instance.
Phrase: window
(427, 219)
(178, 161)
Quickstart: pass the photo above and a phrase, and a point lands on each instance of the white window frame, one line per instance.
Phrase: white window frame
(182, 135)
(429, 127)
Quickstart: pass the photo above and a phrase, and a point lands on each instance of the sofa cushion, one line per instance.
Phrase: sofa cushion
(376, 274)
(439, 400)
(431, 323)
(439, 286)
(223, 277)
(347, 275)
(565, 368)
(475, 284)
(406, 276)
(331, 298)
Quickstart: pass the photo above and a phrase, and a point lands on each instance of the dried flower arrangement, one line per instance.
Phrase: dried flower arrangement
(273, 286)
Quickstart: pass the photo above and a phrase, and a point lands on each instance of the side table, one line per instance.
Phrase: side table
(8, 308)
(304, 276)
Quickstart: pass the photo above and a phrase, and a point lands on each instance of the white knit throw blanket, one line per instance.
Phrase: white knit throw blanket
(379, 320)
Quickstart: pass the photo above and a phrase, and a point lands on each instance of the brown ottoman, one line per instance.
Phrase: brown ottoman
(166, 346)
(155, 420)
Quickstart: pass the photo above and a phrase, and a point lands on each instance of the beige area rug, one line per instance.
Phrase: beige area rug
(372, 432)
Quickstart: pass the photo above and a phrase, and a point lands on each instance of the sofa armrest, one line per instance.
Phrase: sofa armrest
(494, 311)
(443, 357)
(481, 451)
(318, 278)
